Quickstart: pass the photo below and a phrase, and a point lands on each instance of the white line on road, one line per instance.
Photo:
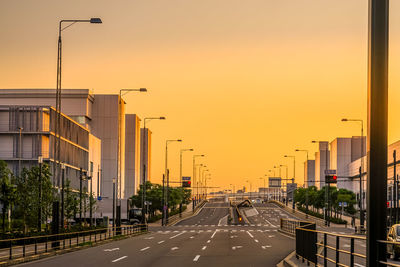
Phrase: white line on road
(174, 248)
(196, 258)
(214, 233)
(208, 241)
(151, 237)
(143, 249)
(250, 234)
(162, 241)
(120, 259)
(256, 240)
(111, 249)
(204, 248)
(359, 265)
(191, 237)
(172, 237)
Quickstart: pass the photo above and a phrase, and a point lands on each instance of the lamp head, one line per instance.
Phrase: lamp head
(313, 141)
(40, 159)
(142, 90)
(162, 118)
(179, 140)
(344, 119)
(96, 20)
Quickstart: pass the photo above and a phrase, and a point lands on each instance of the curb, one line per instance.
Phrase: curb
(199, 208)
(286, 262)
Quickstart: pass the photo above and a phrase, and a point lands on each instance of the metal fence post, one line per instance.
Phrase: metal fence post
(337, 251)
(325, 251)
(10, 250)
(352, 252)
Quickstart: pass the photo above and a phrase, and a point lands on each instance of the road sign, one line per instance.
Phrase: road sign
(274, 182)
(186, 178)
(186, 183)
(99, 198)
(330, 172)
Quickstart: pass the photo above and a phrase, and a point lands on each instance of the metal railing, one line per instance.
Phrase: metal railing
(289, 226)
(381, 251)
(17, 248)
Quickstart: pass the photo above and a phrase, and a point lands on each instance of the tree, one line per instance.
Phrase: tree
(7, 192)
(70, 202)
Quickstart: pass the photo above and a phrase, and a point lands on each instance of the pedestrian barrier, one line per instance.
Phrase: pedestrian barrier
(12, 249)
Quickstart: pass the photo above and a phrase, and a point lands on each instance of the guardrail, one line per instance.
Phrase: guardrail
(289, 226)
(11, 249)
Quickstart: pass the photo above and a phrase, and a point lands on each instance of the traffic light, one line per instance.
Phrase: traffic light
(186, 183)
(331, 179)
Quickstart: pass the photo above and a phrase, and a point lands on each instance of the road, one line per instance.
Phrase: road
(202, 240)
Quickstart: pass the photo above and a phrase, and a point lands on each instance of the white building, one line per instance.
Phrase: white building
(321, 164)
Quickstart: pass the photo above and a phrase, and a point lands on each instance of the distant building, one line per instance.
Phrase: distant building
(321, 163)
(309, 173)
(132, 154)
(145, 154)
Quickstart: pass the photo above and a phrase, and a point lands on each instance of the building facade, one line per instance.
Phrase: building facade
(309, 173)
(132, 155)
(321, 163)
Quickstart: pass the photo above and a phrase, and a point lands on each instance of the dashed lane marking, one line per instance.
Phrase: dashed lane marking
(172, 237)
(146, 248)
(250, 234)
(174, 248)
(120, 259)
(162, 241)
(196, 258)
(203, 248)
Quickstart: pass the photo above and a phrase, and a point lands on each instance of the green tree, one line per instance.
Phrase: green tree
(71, 201)
(7, 192)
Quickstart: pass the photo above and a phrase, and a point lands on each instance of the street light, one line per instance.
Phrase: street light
(144, 161)
(264, 186)
(165, 194)
(181, 161)
(113, 208)
(58, 101)
(361, 168)
(62, 194)
(39, 222)
(294, 177)
(122, 92)
(208, 177)
(203, 182)
(250, 188)
(194, 176)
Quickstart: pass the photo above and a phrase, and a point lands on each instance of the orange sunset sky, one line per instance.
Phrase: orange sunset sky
(243, 82)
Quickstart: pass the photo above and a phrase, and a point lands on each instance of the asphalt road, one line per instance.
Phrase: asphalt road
(196, 241)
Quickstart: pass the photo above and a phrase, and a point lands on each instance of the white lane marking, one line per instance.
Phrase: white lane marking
(267, 246)
(174, 248)
(120, 259)
(151, 237)
(143, 249)
(111, 249)
(214, 233)
(232, 236)
(208, 241)
(161, 242)
(270, 223)
(359, 265)
(346, 246)
(204, 248)
(271, 236)
(235, 247)
(191, 237)
(256, 240)
(196, 258)
(172, 237)
(250, 234)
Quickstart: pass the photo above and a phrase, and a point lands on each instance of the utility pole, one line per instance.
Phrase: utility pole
(377, 129)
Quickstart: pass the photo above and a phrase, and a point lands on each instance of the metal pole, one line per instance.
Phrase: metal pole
(39, 226)
(194, 178)
(113, 206)
(80, 196)
(20, 150)
(62, 195)
(361, 200)
(377, 128)
(394, 196)
(163, 199)
(361, 172)
(166, 199)
(180, 167)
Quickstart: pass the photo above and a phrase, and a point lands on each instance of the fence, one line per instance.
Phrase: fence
(288, 226)
(24, 247)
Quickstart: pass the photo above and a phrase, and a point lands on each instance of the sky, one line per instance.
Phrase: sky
(243, 82)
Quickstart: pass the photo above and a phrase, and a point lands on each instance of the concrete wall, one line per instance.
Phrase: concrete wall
(309, 170)
(132, 154)
(340, 157)
(95, 164)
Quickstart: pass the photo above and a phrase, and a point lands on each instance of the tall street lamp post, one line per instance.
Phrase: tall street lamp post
(294, 177)
(144, 162)
(181, 161)
(287, 171)
(263, 178)
(362, 168)
(166, 176)
(39, 222)
(56, 151)
(208, 177)
(62, 194)
(305, 177)
(122, 92)
(194, 177)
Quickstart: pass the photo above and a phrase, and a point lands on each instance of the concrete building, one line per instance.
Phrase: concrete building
(132, 154)
(145, 154)
(27, 132)
(108, 124)
(321, 163)
(343, 152)
(309, 173)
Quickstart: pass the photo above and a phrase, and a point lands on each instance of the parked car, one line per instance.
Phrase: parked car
(394, 236)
